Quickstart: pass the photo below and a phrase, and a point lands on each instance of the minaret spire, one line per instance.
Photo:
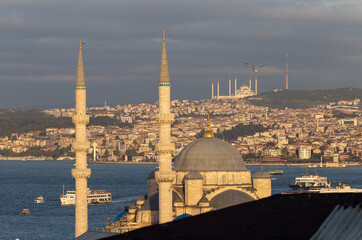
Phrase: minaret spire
(80, 146)
(164, 72)
(80, 78)
(164, 148)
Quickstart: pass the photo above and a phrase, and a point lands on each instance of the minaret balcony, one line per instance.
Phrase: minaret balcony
(80, 119)
(165, 118)
(80, 146)
(165, 148)
(81, 173)
(168, 176)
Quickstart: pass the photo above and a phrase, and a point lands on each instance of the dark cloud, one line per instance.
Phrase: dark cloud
(206, 41)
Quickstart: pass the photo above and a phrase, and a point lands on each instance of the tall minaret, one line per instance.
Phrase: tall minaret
(236, 86)
(80, 146)
(218, 89)
(212, 90)
(256, 85)
(250, 83)
(164, 148)
(229, 86)
(286, 72)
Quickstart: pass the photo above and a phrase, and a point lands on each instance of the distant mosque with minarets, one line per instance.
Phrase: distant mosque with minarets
(242, 92)
(208, 174)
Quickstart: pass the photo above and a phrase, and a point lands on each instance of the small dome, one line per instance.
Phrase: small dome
(151, 203)
(229, 198)
(262, 174)
(193, 175)
(209, 154)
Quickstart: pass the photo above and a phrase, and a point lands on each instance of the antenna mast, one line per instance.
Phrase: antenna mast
(286, 72)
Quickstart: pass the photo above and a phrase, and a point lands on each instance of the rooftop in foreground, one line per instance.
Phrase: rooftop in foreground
(297, 216)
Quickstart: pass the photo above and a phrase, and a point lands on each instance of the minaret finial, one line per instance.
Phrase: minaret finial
(80, 78)
(208, 120)
(208, 132)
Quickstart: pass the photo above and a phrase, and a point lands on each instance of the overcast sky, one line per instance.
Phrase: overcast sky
(206, 41)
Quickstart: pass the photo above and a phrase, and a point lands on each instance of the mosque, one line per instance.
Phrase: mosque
(242, 92)
(208, 174)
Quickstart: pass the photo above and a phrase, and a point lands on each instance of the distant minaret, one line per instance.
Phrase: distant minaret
(218, 90)
(80, 146)
(256, 85)
(236, 86)
(286, 72)
(94, 145)
(250, 83)
(212, 90)
(164, 148)
(229, 87)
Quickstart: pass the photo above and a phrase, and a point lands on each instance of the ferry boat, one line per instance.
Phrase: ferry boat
(309, 182)
(340, 188)
(93, 197)
(39, 199)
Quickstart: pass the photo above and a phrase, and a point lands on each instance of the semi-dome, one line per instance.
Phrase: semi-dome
(193, 175)
(229, 198)
(209, 154)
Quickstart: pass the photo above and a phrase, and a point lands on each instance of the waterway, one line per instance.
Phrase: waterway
(23, 181)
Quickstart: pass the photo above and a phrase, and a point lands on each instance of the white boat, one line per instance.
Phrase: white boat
(309, 182)
(93, 197)
(39, 199)
(340, 188)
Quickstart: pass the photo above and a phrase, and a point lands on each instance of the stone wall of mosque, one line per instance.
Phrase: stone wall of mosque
(219, 177)
(262, 186)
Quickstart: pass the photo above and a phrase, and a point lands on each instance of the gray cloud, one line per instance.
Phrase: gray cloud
(206, 41)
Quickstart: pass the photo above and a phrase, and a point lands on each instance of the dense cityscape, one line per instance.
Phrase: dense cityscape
(295, 135)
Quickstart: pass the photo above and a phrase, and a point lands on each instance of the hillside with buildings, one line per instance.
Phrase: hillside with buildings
(129, 132)
(303, 99)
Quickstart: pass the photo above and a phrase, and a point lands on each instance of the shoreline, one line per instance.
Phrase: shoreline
(156, 163)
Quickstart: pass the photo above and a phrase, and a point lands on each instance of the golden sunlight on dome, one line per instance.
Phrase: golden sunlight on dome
(208, 133)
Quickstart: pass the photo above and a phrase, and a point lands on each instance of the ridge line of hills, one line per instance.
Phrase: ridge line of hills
(304, 98)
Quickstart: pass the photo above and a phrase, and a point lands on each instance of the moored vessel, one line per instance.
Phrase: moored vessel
(340, 188)
(25, 211)
(39, 199)
(93, 197)
(276, 172)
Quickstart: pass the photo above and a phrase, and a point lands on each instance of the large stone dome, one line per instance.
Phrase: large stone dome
(209, 154)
